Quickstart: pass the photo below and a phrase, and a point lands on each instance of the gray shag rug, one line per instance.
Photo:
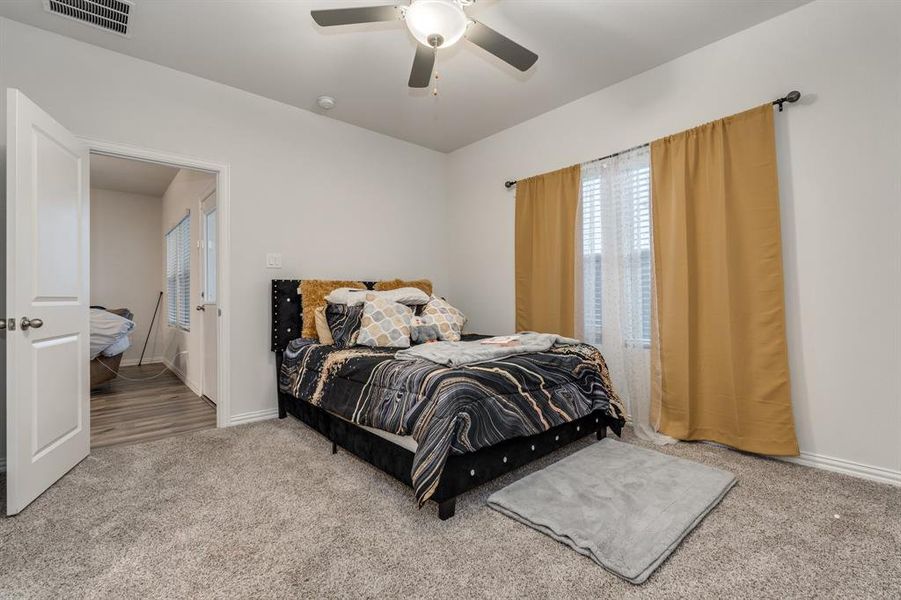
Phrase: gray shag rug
(627, 508)
(264, 510)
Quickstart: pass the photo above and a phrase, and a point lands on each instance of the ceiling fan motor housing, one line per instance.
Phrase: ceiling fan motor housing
(436, 23)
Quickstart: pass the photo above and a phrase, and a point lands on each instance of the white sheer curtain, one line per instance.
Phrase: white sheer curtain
(615, 271)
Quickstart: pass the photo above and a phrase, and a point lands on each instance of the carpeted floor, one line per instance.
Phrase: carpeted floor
(264, 511)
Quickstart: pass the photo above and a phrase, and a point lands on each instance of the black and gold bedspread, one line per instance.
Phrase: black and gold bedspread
(451, 410)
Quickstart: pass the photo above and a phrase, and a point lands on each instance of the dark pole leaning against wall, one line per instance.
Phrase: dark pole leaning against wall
(150, 329)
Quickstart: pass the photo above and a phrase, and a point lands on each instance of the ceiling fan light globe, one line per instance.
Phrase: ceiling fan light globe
(429, 18)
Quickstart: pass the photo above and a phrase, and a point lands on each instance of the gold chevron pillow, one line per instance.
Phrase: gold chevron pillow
(450, 320)
(385, 324)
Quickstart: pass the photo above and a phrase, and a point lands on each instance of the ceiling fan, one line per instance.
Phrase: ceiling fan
(435, 24)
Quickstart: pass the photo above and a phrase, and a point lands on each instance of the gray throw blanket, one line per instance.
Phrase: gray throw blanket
(457, 354)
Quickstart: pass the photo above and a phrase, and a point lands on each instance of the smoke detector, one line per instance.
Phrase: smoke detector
(325, 102)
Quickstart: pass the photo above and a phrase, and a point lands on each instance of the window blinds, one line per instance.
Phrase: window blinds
(616, 247)
(178, 274)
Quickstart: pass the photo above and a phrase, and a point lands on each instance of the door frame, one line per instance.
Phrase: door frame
(223, 220)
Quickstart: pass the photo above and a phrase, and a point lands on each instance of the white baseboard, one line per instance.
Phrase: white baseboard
(193, 386)
(846, 467)
(130, 362)
(253, 416)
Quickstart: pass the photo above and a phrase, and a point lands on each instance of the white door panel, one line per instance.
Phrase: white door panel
(210, 343)
(57, 411)
(48, 400)
(56, 178)
(209, 265)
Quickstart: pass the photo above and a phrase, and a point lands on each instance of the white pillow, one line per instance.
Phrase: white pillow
(409, 296)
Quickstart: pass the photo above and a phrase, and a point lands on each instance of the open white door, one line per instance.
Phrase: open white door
(47, 322)
(209, 306)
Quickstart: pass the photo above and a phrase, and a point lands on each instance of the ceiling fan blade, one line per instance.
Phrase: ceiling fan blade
(501, 46)
(423, 63)
(358, 14)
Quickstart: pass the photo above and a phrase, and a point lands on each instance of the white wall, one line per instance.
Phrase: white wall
(334, 199)
(184, 349)
(126, 261)
(839, 171)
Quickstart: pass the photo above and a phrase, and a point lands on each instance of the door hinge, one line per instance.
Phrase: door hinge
(8, 325)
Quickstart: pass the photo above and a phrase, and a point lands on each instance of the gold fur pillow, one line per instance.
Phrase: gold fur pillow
(392, 284)
(312, 296)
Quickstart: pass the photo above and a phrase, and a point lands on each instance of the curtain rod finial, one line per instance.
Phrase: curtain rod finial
(791, 97)
(509, 184)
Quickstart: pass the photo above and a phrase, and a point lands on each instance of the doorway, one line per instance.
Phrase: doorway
(46, 316)
(152, 263)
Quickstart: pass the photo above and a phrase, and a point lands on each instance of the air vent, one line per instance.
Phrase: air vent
(111, 15)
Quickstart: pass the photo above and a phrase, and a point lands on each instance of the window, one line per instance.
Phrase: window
(616, 248)
(178, 274)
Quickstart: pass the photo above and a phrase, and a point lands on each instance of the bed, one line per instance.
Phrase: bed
(109, 341)
(442, 431)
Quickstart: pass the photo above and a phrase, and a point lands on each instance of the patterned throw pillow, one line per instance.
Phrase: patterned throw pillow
(449, 320)
(344, 323)
(385, 324)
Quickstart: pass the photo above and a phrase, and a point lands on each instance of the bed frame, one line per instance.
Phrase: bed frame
(462, 472)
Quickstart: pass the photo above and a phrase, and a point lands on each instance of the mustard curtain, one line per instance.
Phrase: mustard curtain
(719, 359)
(546, 208)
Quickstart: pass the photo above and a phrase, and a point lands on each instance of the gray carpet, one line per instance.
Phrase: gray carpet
(264, 510)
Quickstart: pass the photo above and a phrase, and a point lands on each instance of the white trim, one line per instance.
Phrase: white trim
(257, 415)
(131, 362)
(223, 196)
(846, 467)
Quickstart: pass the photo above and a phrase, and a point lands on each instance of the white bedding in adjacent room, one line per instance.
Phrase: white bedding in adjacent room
(109, 333)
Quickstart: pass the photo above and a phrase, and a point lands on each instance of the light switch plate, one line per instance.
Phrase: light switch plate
(273, 261)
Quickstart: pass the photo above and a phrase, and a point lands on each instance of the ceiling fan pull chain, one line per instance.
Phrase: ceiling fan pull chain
(435, 89)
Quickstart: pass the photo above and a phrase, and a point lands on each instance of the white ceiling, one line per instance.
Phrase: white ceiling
(130, 176)
(274, 49)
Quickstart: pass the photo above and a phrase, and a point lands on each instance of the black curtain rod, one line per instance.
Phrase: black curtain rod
(790, 97)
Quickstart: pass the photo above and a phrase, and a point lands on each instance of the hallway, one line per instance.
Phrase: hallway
(125, 412)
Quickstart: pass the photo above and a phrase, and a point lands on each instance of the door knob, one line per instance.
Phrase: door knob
(26, 323)
(199, 307)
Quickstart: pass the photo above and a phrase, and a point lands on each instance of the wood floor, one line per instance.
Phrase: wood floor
(125, 412)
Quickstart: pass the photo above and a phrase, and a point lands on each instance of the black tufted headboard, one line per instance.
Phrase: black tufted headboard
(287, 322)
